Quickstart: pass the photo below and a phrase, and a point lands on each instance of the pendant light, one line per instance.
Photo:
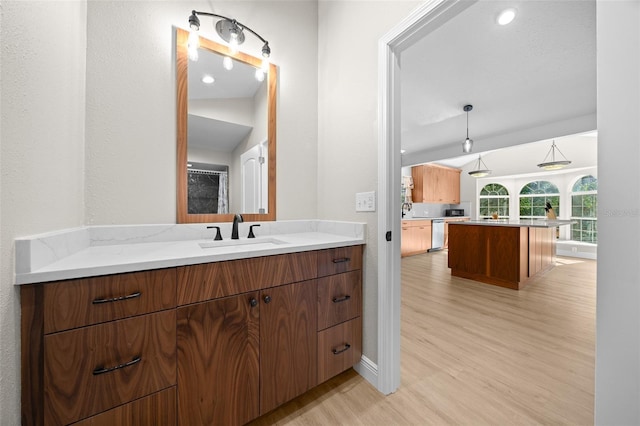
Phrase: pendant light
(481, 169)
(554, 164)
(468, 143)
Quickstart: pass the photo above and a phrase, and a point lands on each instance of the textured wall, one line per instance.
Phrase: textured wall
(347, 120)
(42, 137)
(131, 124)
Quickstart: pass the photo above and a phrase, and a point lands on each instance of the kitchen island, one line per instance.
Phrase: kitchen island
(502, 252)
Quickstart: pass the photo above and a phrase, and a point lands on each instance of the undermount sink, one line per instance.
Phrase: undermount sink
(243, 242)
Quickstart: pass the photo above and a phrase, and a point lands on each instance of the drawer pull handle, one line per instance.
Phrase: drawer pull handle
(341, 299)
(341, 260)
(102, 370)
(336, 351)
(117, 299)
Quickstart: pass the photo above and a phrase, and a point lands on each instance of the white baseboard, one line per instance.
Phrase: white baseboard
(367, 369)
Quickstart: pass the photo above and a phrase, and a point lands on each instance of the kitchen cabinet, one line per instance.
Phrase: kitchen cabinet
(213, 343)
(415, 237)
(435, 184)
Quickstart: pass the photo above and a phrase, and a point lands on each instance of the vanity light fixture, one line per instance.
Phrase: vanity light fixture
(468, 143)
(481, 169)
(506, 16)
(230, 31)
(554, 164)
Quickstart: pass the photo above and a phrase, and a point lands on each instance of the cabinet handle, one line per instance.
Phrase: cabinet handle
(341, 299)
(336, 351)
(267, 299)
(102, 370)
(117, 299)
(341, 260)
(253, 302)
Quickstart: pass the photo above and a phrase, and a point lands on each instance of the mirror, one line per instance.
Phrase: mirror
(226, 135)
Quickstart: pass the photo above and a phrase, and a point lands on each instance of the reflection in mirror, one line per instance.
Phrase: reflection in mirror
(226, 133)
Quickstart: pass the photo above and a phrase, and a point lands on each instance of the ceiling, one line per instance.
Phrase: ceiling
(235, 84)
(531, 80)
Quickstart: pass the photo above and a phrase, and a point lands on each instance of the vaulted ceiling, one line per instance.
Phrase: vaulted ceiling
(531, 80)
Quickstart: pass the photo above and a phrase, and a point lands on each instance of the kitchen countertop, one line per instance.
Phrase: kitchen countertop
(103, 250)
(530, 223)
(435, 218)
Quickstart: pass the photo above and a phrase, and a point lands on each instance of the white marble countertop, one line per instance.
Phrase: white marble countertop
(93, 251)
(531, 223)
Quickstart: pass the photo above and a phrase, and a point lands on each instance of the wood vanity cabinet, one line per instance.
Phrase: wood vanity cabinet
(435, 184)
(94, 345)
(242, 356)
(216, 343)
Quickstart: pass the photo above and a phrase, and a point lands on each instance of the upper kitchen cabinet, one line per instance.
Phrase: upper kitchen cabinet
(436, 184)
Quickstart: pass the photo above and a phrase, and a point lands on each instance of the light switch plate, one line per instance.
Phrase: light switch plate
(366, 201)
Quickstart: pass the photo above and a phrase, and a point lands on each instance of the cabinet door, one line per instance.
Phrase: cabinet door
(288, 343)
(218, 367)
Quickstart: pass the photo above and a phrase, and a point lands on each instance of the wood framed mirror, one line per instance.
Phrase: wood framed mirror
(226, 135)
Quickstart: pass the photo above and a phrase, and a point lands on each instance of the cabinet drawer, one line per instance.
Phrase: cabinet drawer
(76, 303)
(198, 283)
(339, 348)
(158, 409)
(338, 260)
(339, 298)
(93, 369)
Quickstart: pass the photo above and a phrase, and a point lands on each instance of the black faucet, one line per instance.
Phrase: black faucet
(408, 207)
(234, 229)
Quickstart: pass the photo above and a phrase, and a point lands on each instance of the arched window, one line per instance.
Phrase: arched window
(584, 208)
(494, 198)
(535, 195)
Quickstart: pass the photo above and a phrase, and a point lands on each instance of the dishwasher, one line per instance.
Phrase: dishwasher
(437, 234)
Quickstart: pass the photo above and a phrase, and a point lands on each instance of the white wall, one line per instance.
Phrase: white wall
(347, 121)
(618, 301)
(131, 123)
(42, 138)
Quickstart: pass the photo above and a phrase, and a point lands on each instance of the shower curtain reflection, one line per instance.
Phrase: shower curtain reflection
(207, 191)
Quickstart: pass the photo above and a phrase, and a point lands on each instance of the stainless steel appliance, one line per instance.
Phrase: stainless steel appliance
(437, 234)
(454, 212)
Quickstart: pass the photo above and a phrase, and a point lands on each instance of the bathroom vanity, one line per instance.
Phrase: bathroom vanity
(220, 341)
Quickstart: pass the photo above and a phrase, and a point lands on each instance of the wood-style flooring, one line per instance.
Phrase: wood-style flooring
(475, 354)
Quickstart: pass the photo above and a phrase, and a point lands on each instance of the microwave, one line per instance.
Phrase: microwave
(454, 212)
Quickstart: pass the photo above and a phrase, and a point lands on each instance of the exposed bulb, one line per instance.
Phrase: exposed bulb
(259, 75)
(208, 79)
(233, 40)
(227, 63)
(466, 145)
(265, 65)
(193, 43)
(506, 17)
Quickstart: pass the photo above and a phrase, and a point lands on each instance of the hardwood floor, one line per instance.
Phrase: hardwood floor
(473, 353)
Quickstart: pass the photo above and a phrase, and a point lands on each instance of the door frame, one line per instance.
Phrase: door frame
(423, 20)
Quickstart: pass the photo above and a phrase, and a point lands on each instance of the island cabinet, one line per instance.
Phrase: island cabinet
(435, 184)
(206, 344)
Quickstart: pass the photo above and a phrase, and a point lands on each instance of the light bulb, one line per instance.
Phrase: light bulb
(259, 75)
(227, 63)
(506, 16)
(208, 79)
(265, 65)
(192, 45)
(233, 45)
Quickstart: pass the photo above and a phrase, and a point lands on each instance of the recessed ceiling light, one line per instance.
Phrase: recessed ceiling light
(506, 16)
(207, 79)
